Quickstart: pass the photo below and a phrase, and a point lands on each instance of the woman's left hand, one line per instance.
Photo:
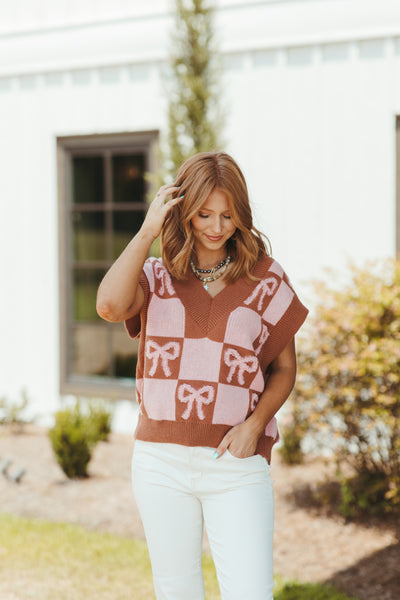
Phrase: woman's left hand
(241, 441)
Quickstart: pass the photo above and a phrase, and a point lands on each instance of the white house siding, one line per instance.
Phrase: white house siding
(311, 90)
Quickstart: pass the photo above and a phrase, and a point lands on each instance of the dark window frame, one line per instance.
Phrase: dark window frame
(67, 148)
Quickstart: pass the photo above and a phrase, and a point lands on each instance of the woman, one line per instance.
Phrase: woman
(216, 318)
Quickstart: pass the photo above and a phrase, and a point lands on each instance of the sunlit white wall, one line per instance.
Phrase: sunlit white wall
(311, 91)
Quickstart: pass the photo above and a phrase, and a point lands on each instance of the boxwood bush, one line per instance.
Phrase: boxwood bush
(74, 435)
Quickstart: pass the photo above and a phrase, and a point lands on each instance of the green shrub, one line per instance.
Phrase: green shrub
(290, 450)
(292, 430)
(369, 492)
(12, 413)
(72, 441)
(99, 420)
(76, 432)
(348, 385)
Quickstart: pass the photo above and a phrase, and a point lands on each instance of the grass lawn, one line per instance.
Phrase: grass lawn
(43, 561)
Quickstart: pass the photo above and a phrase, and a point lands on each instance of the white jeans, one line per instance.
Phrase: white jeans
(176, 489)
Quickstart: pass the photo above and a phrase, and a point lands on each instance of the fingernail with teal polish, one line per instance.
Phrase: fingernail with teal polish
(215, 455)
(182, 196)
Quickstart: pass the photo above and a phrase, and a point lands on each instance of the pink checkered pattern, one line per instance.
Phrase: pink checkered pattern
(208, 379)
(197, 372)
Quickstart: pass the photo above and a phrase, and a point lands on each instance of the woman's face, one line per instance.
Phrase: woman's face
(212, 226)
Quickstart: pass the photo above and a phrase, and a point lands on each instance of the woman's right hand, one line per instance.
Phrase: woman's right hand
(159, 208)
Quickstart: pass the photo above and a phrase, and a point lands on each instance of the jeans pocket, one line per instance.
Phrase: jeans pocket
(246, 458)
(256, 461)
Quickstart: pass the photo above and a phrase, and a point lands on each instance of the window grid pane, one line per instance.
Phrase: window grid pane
(124, 354)
(87, 181)
(128, 178)
(90, 353)
(88, 235)
(85, 285)
(125, 224)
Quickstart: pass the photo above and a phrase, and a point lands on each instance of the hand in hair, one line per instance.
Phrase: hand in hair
(159, 208)
(120, 296)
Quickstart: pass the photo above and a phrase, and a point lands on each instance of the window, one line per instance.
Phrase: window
(102, 189)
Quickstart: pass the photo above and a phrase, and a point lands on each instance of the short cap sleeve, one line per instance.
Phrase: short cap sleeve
(133, 324)
(285, 311)
(281, 310)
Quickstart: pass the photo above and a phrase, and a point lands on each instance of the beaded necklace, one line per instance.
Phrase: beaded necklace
(221, 268)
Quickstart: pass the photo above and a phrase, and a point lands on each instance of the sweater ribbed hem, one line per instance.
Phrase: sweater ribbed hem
(192, 434)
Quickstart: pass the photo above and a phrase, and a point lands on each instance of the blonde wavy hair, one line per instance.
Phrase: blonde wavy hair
(200, 175)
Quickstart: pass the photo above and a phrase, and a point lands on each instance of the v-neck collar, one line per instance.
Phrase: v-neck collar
(204, 289)
(208, 311)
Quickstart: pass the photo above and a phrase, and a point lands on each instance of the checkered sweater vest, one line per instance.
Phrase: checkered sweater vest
(203, 361)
